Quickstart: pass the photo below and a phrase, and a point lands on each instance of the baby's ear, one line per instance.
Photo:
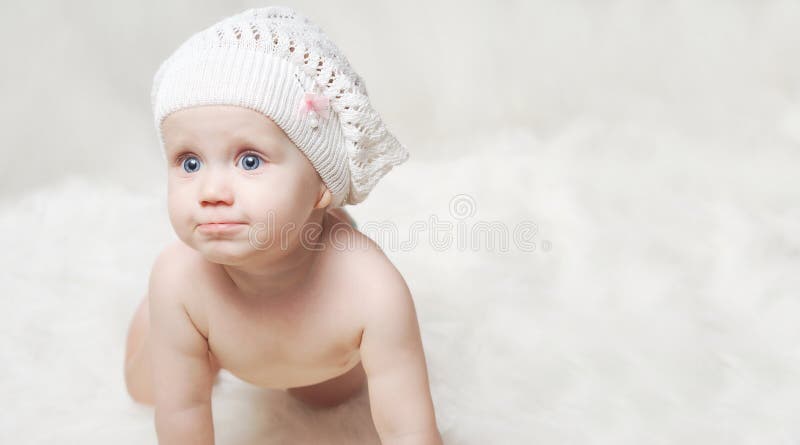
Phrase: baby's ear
(324, 198)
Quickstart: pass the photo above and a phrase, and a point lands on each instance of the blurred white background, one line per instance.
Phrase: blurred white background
(655, 144)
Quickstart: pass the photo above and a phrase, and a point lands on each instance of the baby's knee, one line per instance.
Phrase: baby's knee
(138, 330)
(138, 378)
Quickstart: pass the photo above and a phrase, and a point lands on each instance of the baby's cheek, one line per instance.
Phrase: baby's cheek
(268, 217)
(179, 215)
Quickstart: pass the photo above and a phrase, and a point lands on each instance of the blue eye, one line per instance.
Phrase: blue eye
(191, 164)
(250, 162)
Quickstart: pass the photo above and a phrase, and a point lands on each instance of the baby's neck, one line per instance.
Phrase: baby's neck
(272, 277)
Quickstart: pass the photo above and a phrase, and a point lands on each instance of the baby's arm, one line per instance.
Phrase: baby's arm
(394, 361)
(182, 374)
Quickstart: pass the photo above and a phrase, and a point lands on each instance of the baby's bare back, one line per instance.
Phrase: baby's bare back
(303, 338)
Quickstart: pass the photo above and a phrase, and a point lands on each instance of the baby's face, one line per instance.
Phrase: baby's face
(229, 164)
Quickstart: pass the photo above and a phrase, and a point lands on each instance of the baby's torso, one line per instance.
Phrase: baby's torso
(298, 340)
(285, 347)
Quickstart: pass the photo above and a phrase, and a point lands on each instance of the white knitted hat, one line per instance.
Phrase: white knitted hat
(277, 62)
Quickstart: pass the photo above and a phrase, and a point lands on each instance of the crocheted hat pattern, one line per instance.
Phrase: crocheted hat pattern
(277, 62)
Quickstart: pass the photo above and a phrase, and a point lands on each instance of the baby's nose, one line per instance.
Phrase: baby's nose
(216, 189)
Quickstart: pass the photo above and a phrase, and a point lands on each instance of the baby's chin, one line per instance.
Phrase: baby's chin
(229, 252)
(222, 257)
(240, 252)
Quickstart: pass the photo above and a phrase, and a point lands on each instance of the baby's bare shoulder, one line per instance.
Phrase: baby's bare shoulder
(369, 270)
(386, 305)
(175, 261)
(174, 281)
(174, 272)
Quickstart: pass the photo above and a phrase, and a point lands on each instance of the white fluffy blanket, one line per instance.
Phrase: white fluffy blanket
(663, 310)
(656, 149)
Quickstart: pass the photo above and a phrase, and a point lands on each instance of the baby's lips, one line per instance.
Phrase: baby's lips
(220, 227)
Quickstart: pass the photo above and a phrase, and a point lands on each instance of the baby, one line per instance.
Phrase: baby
(267, 132)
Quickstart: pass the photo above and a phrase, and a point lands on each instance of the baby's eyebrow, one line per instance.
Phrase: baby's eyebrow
(178, 145)
(173, 149)
(267, 144)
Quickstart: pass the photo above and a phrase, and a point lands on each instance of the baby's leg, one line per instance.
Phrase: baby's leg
(138, 375)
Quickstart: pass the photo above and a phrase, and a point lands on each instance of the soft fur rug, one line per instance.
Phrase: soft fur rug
(654, 145)
(660, 304)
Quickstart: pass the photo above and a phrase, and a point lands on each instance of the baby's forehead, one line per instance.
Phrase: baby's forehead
(229, 123)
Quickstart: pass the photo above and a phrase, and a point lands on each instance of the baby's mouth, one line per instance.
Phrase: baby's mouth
(221, 227)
